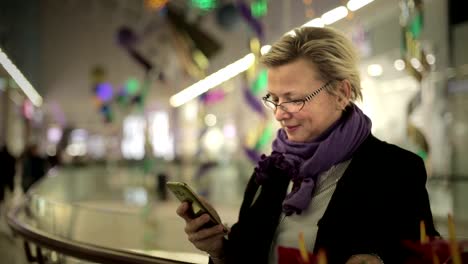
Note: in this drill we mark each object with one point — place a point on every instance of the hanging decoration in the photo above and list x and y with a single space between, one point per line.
412 52
155 4
103 93
412 22
213 96
259 8
259 137
193 46
128 39
253 23
255 80
260 83
255 46
205 5
254 103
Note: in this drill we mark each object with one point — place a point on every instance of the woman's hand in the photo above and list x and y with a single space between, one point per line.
209 239
364 259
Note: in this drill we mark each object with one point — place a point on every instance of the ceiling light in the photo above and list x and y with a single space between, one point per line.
354 5
316 22
415 63
210 120
334 15
430 58
19 78
213 80
374 70
399 64
265 49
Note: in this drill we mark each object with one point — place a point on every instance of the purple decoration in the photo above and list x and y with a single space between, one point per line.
252 154
126 37
204 167
212 97
252 21
254 102
140 59
104 91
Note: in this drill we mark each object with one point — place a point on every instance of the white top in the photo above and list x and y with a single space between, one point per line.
287 233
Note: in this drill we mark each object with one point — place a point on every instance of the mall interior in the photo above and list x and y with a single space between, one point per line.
104 101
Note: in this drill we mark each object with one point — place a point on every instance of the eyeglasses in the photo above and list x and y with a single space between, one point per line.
292 106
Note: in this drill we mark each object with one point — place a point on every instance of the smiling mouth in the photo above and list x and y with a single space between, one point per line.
291 128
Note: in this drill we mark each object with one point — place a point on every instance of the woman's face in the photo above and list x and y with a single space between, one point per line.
295 81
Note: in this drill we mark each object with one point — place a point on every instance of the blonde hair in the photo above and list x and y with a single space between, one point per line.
332 54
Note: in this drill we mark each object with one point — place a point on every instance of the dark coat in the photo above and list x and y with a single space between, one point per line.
378 202
8 171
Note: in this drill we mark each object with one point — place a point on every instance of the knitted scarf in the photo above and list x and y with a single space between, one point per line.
303 162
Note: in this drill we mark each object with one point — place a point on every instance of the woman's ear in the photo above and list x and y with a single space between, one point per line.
344 94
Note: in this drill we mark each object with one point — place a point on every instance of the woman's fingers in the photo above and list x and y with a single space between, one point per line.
183 211
193 225
206 235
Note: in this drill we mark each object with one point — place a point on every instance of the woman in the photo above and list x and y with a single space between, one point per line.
328 177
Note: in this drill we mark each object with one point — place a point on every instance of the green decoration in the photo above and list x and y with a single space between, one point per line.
204 4
148 165
260 83
144 93
265 137
259 8
423 154
416 25
132 86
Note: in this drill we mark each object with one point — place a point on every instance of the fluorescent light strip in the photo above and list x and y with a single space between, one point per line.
354 5
213 80
19 78
334 15
265 49
243 64
316 22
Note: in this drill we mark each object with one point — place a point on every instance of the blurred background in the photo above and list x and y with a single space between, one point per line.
103 101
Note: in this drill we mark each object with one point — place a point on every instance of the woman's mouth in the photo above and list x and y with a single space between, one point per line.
291 129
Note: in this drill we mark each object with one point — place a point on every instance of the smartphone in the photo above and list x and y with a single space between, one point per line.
184 193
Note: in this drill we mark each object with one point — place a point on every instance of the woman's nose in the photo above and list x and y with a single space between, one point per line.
281 114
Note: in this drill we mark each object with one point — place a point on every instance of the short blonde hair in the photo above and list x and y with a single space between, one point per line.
331 52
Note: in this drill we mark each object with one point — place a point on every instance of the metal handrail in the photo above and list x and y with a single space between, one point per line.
79 250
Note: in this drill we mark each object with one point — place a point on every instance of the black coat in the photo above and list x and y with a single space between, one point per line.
378 202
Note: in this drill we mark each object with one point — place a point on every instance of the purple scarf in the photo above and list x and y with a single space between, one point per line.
303 162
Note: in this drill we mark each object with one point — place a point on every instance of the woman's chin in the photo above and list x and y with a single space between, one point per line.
294 138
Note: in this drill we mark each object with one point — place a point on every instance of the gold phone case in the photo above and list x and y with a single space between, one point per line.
183 192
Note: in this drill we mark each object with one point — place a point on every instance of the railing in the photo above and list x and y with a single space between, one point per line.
86 216
79 250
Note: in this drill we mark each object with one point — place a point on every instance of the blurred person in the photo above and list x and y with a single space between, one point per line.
55 160
34 167
161 188
350 194
8 168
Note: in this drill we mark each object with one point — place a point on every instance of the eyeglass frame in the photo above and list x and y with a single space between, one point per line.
304 100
